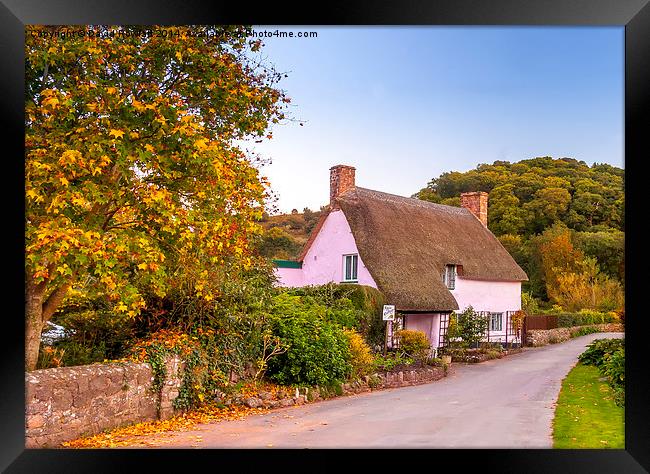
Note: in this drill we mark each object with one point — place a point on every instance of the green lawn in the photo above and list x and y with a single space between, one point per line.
586 416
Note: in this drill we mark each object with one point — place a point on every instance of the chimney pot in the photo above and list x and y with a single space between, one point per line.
477 203
341 179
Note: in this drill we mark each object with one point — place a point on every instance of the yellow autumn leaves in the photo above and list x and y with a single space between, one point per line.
71 164
49 99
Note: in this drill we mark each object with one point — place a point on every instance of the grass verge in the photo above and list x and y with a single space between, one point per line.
586 415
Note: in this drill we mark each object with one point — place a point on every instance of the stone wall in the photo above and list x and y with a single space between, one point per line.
405 378
68 402
378 381
542 337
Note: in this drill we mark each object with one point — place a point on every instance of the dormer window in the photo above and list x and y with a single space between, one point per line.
350 264
449 276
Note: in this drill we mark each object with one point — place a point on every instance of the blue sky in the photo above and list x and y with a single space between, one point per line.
404 104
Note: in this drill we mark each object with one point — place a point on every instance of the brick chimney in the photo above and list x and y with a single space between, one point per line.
341 179
477 203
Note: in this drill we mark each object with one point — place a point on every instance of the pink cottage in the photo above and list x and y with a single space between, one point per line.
428 259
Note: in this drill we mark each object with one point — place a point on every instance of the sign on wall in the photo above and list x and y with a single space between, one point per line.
389 312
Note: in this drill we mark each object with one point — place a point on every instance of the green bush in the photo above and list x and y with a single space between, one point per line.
331 390
317 350
614 368
93 333
583 331
390 361
354 306
585 318
609 356
598 349
566 320
370 301
75 353
434 361
493 353
466 329
456 353
483 346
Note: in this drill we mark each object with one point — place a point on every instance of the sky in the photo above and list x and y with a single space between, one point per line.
405 104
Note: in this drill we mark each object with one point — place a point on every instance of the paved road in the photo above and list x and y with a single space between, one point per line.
503 403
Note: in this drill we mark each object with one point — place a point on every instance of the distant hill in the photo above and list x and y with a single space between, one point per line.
286 234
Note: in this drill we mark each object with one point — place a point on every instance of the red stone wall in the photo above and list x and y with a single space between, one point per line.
68 402
341 179
477 203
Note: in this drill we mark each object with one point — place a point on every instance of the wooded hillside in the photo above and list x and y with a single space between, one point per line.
528 196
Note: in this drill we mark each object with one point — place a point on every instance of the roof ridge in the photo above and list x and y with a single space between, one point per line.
413 201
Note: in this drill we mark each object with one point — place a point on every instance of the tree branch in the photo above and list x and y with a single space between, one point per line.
120 225
54 300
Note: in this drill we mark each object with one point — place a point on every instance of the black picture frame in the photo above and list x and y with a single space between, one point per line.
634 15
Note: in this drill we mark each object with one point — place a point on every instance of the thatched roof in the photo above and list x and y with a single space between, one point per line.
405 243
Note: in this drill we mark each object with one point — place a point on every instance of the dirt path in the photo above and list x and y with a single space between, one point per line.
503 403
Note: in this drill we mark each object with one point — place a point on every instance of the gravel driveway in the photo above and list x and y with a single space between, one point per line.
503 403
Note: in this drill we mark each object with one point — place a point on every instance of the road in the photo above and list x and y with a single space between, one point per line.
502 403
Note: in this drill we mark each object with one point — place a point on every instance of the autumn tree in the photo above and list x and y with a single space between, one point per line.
587 288
131 167
558 255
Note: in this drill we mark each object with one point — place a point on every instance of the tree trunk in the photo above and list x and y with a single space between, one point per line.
33 324
37 313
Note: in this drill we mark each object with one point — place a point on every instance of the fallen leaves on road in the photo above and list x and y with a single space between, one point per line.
277 392
134 435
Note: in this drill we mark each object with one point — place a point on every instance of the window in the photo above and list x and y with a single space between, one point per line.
350 264
496 321
449 276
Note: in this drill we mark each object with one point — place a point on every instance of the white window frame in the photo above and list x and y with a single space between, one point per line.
493 319
450 283
354 268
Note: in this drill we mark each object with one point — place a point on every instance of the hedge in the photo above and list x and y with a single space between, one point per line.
582 318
